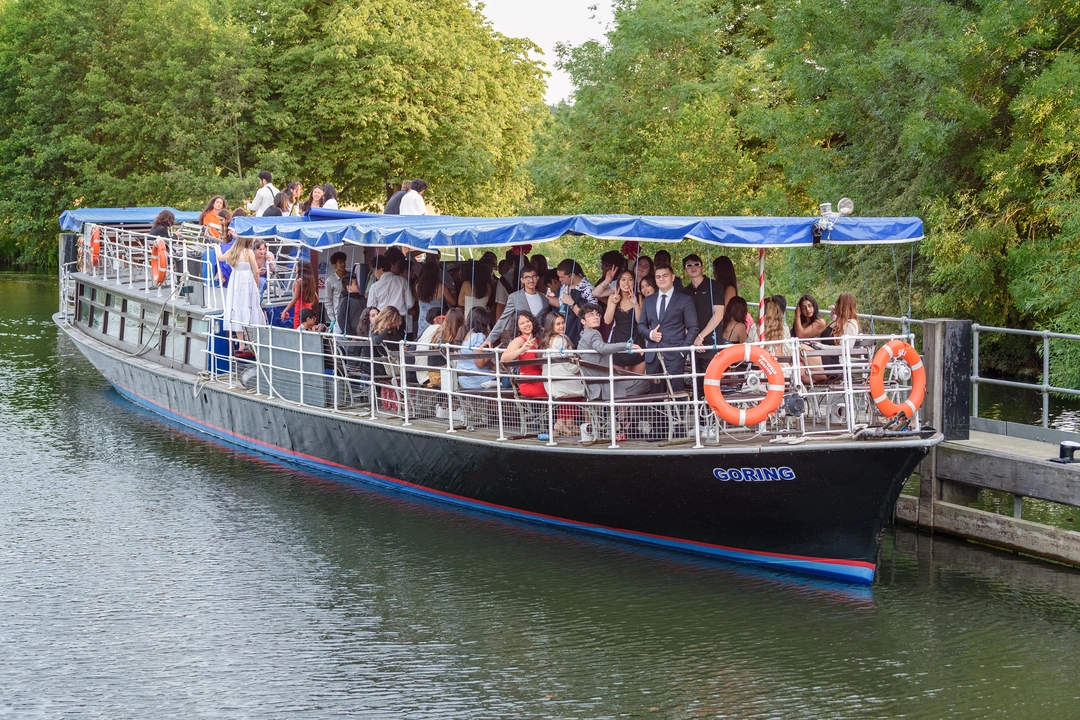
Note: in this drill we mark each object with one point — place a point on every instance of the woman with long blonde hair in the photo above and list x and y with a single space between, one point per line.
242 303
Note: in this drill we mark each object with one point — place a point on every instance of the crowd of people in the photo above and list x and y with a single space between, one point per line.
636 315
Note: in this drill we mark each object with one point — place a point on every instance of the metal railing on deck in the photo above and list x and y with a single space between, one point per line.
126 256
1045 387
584 399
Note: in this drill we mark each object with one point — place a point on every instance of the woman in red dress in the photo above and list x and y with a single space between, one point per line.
523 347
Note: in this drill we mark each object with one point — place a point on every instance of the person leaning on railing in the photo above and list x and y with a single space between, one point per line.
593 349
163 224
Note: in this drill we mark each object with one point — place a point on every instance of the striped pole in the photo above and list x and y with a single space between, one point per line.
761 284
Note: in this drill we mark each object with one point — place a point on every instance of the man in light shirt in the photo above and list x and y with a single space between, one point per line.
389 289
264 198
413 202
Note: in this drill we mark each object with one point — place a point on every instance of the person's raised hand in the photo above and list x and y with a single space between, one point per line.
656 335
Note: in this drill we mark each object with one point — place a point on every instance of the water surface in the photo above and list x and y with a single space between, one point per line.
147 572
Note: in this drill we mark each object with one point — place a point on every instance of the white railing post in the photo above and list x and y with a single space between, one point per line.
695 409
975 370
550 402
498 393
611 400
404 384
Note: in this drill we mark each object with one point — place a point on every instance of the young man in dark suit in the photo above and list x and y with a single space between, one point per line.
669 320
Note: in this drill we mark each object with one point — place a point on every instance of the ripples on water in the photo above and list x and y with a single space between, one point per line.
146 572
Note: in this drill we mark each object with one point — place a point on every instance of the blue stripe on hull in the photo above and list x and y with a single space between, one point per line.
862 573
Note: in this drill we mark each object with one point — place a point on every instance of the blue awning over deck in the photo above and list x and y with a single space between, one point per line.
442 232
73 220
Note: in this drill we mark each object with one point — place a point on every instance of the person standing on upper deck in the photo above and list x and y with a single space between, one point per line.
412 203
668 320
708 298
393 205
265 196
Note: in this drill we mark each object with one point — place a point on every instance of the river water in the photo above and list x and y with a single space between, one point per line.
147 572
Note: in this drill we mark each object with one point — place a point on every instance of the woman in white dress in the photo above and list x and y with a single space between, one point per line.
242 304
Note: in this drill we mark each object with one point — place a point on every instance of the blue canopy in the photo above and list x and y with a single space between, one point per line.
72 220
442 232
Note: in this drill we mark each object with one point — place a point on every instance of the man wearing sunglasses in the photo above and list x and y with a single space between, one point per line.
708 297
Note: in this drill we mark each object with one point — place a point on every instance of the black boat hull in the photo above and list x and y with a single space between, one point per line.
816 508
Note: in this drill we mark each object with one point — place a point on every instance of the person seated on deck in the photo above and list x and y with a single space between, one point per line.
309 321
775 330
845 324
523 347
567 417
265 260
808 321
163 224
472 336
593 349
734 324
668 320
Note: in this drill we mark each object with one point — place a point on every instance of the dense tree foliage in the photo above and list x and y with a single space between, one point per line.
167 102
965 114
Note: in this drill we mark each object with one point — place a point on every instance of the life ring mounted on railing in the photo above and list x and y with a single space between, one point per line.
159 262
95 245
774 375
903 351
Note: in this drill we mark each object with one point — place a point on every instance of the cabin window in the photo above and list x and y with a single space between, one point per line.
123 319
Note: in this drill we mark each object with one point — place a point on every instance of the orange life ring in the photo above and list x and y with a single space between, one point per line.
774 379
95 245
159 262
904 351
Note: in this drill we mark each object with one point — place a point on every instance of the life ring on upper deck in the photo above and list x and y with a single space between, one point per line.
159 262
95 245
774 378
904 351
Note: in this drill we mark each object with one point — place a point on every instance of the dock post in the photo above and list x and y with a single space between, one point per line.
947 407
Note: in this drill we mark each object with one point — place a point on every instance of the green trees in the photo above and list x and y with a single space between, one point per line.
962 113
167 102
376 91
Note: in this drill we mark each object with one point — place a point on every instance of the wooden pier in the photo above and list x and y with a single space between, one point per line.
988 454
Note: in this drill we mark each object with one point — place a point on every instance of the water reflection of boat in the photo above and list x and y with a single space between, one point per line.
809 489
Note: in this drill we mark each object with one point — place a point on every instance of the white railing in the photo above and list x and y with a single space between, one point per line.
390 381
125 256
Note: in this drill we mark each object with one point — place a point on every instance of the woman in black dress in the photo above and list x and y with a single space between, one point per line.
621 314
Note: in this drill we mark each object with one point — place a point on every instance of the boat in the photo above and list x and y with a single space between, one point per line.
808 488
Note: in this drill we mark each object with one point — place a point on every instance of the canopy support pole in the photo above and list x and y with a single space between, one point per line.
761 284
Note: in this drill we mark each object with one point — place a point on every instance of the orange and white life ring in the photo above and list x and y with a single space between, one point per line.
95 245
774 378
159 262
902 350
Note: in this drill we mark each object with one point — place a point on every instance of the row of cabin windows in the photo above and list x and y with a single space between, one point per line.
127 321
